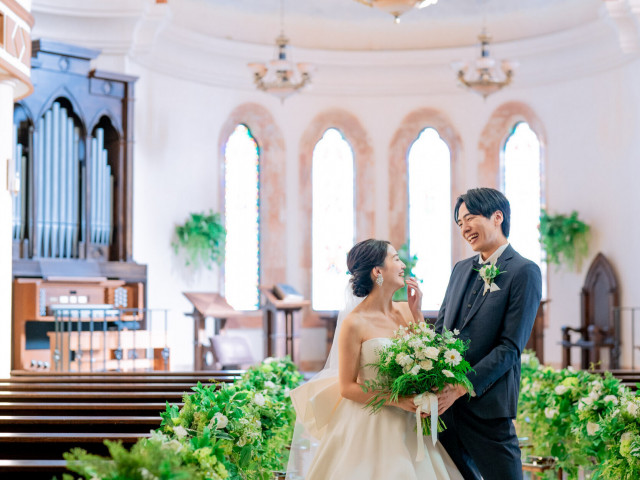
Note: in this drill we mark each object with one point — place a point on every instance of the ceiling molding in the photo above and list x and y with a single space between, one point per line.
152 39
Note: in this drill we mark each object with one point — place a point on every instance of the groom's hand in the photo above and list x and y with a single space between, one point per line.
448 396
414 298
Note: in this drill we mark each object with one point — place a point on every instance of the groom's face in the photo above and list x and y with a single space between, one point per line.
482 233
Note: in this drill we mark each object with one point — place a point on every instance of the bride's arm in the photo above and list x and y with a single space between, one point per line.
349 344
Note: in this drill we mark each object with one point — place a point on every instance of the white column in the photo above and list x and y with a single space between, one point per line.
6 151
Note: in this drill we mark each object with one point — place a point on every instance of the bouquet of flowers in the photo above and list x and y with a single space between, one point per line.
418 362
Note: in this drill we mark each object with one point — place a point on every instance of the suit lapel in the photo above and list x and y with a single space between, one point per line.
502 263
458 294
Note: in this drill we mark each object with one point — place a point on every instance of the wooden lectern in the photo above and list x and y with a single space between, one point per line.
281 335
206 305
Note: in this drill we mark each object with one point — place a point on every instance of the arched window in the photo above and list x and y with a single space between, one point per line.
242 220
520 176
429 184
332 219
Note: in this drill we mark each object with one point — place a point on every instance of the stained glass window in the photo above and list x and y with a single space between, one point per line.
429 183
332 223
521 184
242 220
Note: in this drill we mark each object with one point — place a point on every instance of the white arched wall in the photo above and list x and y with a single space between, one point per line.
589 112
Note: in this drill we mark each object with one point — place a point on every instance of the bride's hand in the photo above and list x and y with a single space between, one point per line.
406 403
414 298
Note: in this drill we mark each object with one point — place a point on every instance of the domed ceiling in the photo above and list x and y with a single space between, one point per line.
349 25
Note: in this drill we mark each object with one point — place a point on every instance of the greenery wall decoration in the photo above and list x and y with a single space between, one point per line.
202 239
564 238
410 262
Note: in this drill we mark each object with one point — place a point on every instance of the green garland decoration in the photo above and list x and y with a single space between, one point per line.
565 239
202 238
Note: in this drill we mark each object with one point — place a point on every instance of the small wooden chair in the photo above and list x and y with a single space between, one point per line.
598 327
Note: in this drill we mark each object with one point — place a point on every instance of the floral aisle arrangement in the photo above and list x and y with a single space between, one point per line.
417 362
237 432
582 419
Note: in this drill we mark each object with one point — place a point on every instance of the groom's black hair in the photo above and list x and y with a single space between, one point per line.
485 202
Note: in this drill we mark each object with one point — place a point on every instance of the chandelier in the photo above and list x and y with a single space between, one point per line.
281 77
397 7
482 75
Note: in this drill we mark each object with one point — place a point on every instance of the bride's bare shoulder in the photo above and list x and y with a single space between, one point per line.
356 321
403 308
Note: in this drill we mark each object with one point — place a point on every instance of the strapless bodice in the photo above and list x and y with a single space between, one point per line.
369 353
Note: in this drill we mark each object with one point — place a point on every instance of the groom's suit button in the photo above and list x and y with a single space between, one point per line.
469 305
474 292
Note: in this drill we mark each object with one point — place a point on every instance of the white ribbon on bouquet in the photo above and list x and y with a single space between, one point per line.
430 400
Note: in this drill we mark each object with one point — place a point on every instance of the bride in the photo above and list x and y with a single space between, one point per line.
353 443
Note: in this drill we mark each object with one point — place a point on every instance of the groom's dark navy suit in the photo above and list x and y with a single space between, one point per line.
480 436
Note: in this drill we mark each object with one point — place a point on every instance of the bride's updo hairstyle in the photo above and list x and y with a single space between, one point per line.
361 259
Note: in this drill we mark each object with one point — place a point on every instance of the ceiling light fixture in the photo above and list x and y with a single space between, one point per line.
397 7
281 77
482 75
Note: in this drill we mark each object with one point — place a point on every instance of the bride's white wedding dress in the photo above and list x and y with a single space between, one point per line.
358 445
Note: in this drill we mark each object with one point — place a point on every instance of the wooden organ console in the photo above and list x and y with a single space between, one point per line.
72 218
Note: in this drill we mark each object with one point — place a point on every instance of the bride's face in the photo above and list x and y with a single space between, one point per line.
393 269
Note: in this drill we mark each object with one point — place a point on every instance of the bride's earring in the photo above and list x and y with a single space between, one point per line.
379 280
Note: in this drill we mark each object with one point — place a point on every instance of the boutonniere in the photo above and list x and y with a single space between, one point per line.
488 273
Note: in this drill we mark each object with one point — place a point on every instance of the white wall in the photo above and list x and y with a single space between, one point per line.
592 166
184 96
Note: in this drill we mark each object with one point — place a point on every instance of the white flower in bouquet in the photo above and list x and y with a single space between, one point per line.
450 340
269 360
525 358
219 421
611 398
432 352
415 370
592 428
456 331
426 365
561 389
429 334
632 408
180 431
447 373
415 343
452 357
269 384
550 413
403 359
258 399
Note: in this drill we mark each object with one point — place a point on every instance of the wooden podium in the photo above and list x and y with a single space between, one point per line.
281 333
206 305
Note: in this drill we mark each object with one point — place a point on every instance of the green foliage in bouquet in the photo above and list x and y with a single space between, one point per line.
410 262
565 239
236 432
202 238
582 419
418 360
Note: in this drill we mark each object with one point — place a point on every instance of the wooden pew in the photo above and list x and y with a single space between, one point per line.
79 423
43 414
83 408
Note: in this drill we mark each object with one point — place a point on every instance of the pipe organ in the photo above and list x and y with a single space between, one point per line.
72 216
58 184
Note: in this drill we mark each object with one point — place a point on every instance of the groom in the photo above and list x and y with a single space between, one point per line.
496 313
